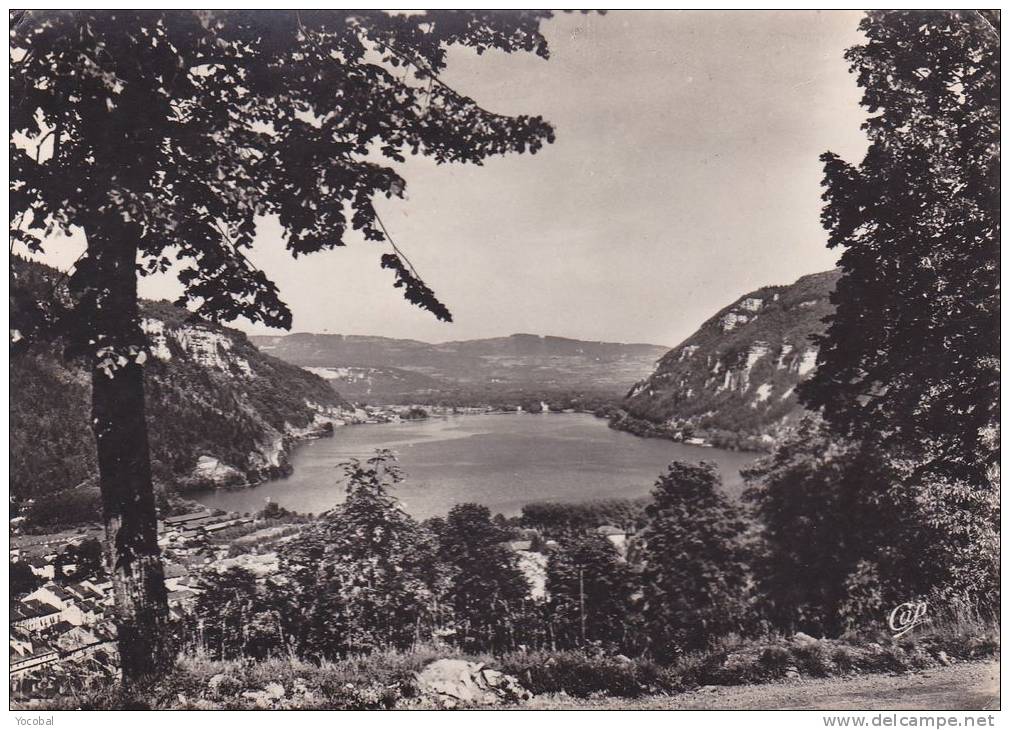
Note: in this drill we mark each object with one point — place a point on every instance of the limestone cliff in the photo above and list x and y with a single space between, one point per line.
733 382
220 413
245 408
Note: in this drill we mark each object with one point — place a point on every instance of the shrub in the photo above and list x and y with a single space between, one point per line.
385 679
814 659
581 674
775 660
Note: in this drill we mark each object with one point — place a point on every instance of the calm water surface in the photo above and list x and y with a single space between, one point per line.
502 461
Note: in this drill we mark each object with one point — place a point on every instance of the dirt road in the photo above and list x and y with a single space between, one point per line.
968 686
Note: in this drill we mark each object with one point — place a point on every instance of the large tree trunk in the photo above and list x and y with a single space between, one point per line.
124 463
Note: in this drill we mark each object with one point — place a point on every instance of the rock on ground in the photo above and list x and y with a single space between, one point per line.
456 682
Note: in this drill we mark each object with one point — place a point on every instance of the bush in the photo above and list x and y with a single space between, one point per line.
734 661
581 674
562 518
377 681
814 659
385 679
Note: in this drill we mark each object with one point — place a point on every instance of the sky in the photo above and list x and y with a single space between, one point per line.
685 174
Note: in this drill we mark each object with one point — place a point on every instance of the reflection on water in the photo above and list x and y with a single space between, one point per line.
502 461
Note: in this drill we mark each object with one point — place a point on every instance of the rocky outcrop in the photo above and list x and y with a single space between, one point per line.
205 345
209 470
255 406
733 382
452 683
220 413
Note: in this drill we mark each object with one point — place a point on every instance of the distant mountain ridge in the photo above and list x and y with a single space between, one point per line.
520 361
733 382
366 383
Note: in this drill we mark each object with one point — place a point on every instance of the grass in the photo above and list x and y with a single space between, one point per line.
956 636
385 679
579 674
380 680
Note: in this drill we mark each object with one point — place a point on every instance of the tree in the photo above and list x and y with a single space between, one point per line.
168 134
694 577
910 358
366 575
313 619
841 538
234 618
487 590
22 579
561 518
590 591
88 558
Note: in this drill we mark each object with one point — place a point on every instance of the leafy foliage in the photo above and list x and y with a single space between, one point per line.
564 518
583 673
364 580
694 577
910 359
590 589
187 126
487 591
385 679
415 291
87 557
22 579
235 617
842 538
365 576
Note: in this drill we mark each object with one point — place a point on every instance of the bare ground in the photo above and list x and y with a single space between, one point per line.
966 686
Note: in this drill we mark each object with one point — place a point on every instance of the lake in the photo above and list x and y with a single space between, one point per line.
502 461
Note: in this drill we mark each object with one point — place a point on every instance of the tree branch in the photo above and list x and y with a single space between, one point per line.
396 248
432 76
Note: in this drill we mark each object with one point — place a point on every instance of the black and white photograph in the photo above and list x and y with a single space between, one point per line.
534 360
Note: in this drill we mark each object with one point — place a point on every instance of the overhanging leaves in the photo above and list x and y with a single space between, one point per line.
190 126
415 291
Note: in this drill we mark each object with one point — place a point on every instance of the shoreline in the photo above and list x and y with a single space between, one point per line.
297 440
632 461
623 421
294 440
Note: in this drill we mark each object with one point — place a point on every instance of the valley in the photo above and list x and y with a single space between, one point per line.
732 384
769 477
226 410
518 369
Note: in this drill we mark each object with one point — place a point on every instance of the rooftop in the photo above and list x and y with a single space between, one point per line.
607 530
32 609
189 517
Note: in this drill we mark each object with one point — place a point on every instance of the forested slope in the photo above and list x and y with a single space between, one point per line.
733 382
219 412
